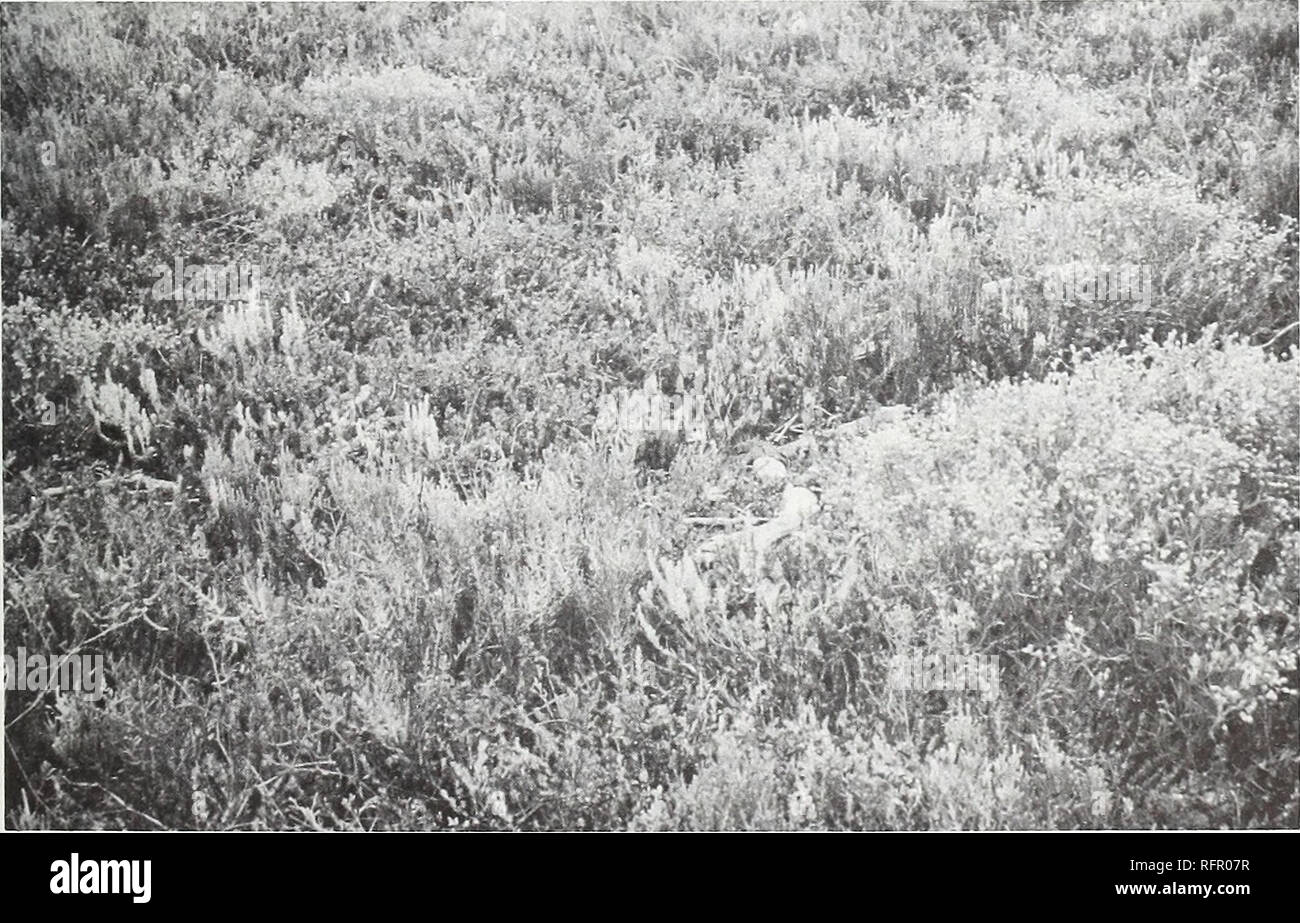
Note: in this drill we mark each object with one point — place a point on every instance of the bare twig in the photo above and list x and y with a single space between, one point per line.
723 521
142 481
122 804
1281 333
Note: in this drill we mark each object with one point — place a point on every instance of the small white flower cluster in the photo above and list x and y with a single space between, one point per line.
243 329
293 335
226 471
419 426
247 328
287 189
113 403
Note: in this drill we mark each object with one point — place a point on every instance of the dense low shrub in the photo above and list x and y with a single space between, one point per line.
434 526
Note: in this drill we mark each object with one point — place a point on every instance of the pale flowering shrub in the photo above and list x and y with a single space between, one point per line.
397 113
1118 539
476 537
810 773
243 329
114 404
289 193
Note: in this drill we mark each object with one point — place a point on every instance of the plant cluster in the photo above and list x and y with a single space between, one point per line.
411 533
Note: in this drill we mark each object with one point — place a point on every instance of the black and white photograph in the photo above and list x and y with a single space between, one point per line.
650 417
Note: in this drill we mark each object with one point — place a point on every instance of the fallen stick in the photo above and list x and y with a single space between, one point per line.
137 480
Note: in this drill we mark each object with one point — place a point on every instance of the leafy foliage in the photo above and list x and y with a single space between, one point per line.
415 531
